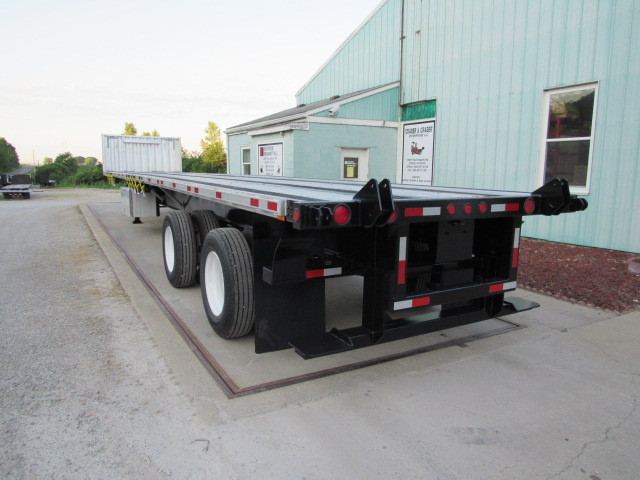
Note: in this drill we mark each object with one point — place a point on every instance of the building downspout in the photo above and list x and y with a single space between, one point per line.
402 37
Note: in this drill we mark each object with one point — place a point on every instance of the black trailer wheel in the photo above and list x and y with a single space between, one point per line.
26 196
6 195
226 282
203 222
179 249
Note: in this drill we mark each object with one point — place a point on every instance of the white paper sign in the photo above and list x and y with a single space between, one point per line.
417 152
270 159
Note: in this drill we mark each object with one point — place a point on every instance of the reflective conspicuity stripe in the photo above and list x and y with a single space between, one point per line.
422 212
516 248
413 303
502 287
505 207
402 261
325 272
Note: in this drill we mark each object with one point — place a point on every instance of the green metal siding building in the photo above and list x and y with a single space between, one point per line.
518 92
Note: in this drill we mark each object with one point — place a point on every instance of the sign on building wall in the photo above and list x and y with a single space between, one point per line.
270 159
417 152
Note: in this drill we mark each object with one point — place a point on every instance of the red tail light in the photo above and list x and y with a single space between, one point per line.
342 214
529 206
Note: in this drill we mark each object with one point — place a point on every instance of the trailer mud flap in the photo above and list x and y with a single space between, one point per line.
288 309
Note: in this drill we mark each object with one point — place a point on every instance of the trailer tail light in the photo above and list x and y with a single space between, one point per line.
482 208
296 215
451 209
342 214
468 209
393 216
529 206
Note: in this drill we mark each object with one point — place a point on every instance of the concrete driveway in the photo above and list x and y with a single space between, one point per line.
96 383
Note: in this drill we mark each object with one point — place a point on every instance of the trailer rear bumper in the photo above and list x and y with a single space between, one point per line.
336 341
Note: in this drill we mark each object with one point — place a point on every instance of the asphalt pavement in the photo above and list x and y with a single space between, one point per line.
95 382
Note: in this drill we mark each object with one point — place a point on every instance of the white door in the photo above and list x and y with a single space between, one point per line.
354 164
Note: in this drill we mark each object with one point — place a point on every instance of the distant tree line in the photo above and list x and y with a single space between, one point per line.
70 170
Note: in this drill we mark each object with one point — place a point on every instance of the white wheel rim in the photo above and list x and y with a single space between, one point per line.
169 249
214 283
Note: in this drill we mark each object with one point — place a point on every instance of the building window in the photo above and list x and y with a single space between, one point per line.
246 160
568 135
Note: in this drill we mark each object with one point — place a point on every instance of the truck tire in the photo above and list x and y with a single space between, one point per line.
203 222
179 249
226 282
26 196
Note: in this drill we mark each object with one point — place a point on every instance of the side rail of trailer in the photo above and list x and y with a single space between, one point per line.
431 258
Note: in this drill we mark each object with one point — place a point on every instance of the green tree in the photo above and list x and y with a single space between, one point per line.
9 159
90 161
68 161
213 153
192 162
47 161
129 129
152 134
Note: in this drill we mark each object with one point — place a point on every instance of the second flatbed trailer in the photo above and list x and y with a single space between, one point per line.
432 258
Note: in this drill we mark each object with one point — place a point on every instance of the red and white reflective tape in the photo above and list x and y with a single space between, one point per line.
502 287
402 261
413 303
422 211
264 204
505 207
516 248
324 272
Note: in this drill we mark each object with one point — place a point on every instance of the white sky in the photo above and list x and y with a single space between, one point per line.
71 70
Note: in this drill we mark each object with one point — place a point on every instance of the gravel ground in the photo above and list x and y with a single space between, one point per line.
90 390
595 277
78 370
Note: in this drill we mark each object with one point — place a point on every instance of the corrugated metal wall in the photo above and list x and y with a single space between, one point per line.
487 64
369 59
125 153
382 106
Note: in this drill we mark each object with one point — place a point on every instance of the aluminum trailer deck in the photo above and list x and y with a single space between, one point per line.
431 257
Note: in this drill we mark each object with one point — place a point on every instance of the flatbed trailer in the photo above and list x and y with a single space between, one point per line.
17 191
431 257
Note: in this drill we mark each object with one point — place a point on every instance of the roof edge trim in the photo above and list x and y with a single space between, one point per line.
247 127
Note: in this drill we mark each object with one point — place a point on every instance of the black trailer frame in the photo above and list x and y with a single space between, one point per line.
432 258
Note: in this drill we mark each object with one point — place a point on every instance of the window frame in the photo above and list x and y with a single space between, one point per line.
242 162
544 132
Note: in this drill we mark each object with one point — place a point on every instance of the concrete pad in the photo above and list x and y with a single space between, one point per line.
107 389
235 360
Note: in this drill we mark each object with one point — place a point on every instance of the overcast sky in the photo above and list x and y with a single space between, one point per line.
73 69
